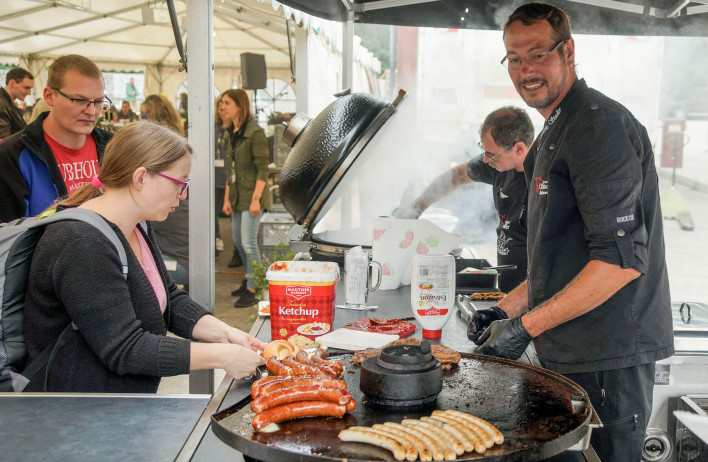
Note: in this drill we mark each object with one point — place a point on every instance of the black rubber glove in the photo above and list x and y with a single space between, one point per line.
481 320
505 339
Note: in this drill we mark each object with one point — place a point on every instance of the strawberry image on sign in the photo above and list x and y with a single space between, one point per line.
386 270
422 248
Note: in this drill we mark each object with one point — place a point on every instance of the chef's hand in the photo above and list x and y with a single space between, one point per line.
407 211
481 320
507 338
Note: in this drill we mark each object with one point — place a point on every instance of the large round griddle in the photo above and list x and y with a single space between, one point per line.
540 413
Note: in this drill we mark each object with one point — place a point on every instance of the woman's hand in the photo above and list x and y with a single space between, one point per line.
240 337
211 330
227 208
255 207
242 363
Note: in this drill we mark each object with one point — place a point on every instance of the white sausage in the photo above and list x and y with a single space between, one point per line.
368 436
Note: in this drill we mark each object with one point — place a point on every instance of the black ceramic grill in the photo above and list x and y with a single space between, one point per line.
324 148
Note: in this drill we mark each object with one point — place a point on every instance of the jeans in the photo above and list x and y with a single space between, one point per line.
245 232
218 205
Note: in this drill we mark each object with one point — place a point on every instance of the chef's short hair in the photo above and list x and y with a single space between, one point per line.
508 125
530 13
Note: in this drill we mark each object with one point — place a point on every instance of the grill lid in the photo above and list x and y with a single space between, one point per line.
324 148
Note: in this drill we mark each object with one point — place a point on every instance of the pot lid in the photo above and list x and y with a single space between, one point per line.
324 148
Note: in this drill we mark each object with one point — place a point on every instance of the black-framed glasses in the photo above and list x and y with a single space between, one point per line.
101 104
185 184
489 155
533 59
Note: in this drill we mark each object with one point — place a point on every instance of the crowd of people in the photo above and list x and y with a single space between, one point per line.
136 179
578 206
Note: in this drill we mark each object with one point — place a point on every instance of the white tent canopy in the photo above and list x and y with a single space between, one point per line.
137 36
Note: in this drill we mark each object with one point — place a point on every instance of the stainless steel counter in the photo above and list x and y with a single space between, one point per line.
105 427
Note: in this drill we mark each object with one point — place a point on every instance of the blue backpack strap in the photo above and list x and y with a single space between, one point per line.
94 219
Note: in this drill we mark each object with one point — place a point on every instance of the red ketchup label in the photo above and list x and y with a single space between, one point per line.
432 311
298 308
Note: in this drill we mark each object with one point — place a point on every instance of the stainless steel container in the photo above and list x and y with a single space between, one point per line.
684 373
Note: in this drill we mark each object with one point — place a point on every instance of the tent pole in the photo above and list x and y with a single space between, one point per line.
200 81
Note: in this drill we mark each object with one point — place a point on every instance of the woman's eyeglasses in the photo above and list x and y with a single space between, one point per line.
185 184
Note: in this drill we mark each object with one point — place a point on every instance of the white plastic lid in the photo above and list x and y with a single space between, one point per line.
305 271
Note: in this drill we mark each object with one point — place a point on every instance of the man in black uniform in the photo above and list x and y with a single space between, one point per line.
596 302
506 135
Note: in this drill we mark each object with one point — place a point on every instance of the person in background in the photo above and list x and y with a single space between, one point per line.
131 93
60 151
159 110
183 102
220 126
247 196
122 346
126 113
171 234
596 302
506 135
18 84
40 106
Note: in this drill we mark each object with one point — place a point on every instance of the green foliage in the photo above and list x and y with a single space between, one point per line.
259 268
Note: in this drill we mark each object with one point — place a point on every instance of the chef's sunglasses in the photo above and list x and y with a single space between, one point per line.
102 104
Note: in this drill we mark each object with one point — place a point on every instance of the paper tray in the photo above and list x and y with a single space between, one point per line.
347 339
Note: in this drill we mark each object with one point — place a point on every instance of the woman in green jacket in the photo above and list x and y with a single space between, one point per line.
247 196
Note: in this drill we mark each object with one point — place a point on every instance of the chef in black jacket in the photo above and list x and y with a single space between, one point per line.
506 135
596 303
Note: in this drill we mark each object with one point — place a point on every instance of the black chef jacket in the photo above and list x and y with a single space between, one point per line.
509 189
593 195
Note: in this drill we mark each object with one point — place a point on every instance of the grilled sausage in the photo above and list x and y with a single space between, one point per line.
470 426
436 449
420 446
297 381
263 381
276 367
470 440
296 410
441 433
303 369
302 358
319 358
301 393
351 405
489 428
369 436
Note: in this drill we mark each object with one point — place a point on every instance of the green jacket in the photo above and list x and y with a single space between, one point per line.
246 163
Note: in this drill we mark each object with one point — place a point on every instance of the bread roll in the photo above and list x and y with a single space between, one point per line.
280 349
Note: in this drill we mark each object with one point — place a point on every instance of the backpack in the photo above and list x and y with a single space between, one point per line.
17 242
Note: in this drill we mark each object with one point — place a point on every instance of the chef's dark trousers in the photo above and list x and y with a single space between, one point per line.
622 399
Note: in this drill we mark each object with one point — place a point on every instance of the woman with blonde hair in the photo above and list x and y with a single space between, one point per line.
76 276
160 111
247 195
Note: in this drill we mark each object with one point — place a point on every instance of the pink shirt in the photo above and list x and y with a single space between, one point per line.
152 272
